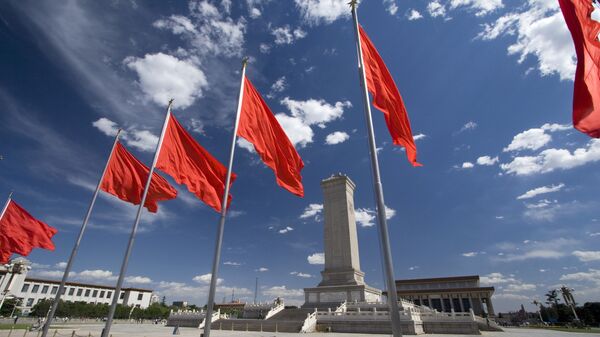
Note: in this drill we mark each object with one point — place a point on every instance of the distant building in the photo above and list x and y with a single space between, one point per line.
33 290
444 294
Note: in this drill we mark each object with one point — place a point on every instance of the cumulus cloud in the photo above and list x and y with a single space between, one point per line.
296 129
316 111
283 292
487 160
163 76
336 138
262 269
365 217
143 140
587 256
285 230
592 275
279 85
467 165
391 6
552 249
138 279
312 210
540 31
435 9
554 159
540 190
316 258
419 136
206 278
413 15
531 139
315 12
299 274
264 48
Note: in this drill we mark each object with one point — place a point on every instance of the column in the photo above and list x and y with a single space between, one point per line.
460 301
490 307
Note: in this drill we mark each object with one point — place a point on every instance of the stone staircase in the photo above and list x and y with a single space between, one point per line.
287 320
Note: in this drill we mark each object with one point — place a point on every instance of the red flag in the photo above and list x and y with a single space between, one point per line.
386 98
259 126
190 164
20 233
126 179
586 95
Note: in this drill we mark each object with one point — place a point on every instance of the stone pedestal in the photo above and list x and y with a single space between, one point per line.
342 279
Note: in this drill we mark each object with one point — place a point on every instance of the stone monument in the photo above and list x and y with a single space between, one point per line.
342 278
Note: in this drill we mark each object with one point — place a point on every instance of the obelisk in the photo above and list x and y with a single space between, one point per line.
342 278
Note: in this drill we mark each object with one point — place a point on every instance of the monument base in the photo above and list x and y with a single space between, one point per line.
339 294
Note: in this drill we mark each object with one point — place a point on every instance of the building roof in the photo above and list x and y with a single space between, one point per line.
446 290
439 279
78 284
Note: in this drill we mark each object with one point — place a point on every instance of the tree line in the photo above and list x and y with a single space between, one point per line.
100 310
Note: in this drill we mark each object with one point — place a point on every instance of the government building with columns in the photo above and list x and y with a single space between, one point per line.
447 294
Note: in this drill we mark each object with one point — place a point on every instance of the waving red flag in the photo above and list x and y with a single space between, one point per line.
586 95
126 179
259 126
20 233
190 164
386 98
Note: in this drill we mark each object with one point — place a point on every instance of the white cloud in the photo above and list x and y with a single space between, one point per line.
299 274
312 210
419 136
244 144
138 279
283 292
592 275
316 258
297 131
264 48
313 111
554 159
262 269
96 274
143 140
531 139
481 7
316 12
279 85
336 138
470 125
552 249
287 35
255 13
390 6
470 254
541 190
520 287
467 165
540 31
487 160
365 217
206 278
61 265
587 256
231 263
286 230
162 77
435 9
207 30
414 15
495 278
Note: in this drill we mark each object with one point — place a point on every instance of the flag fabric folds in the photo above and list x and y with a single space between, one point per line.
126 179
386 98
586 95
20 233
259 126
190 164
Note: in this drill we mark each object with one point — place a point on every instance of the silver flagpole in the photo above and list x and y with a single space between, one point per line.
217 257
61 288
115 300
6 205
394 308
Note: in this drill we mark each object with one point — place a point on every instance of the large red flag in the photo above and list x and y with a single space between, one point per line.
190 164
126 179
586 95
259 126
20 233
386 98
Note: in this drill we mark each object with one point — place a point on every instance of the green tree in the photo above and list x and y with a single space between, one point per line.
8 307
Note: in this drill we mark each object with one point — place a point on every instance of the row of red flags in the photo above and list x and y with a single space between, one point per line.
190 164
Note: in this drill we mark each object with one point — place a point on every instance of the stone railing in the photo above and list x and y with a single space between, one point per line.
342 307
215 317
275 310
310 323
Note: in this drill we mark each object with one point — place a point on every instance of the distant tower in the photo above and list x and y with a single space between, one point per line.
342 278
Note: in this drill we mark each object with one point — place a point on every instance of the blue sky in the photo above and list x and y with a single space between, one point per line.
507 190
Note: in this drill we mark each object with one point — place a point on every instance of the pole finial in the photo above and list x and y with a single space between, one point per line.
245 61
171 101
353 3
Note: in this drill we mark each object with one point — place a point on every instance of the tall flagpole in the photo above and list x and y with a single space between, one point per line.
61 288
394 308
6 205
117 292
220 230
